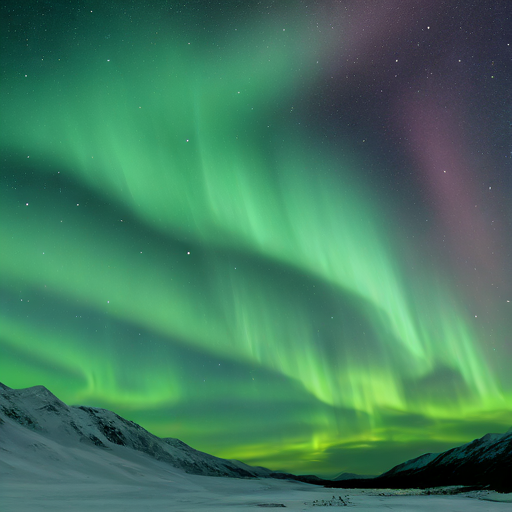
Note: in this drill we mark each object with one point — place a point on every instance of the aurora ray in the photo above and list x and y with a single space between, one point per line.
182 247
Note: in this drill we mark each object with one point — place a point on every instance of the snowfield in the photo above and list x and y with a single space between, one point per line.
182 492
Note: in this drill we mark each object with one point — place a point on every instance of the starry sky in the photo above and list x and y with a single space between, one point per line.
278 231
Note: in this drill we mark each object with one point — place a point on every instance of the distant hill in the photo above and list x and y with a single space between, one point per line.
484 462
352 476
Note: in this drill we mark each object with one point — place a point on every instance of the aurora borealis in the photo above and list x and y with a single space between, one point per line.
280 232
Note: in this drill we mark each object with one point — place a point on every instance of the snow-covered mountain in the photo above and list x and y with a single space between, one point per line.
42 436
484 461
35 424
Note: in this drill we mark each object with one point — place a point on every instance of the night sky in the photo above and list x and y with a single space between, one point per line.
278 231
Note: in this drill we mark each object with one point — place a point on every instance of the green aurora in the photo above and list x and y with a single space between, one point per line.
177 247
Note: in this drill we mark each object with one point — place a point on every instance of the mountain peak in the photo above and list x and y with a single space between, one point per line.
39 390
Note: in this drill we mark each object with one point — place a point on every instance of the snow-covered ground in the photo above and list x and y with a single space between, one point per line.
203 493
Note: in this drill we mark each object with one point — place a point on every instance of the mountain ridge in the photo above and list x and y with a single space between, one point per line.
37 409
484 463
37 421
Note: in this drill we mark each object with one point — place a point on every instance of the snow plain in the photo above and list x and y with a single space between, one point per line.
216 494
